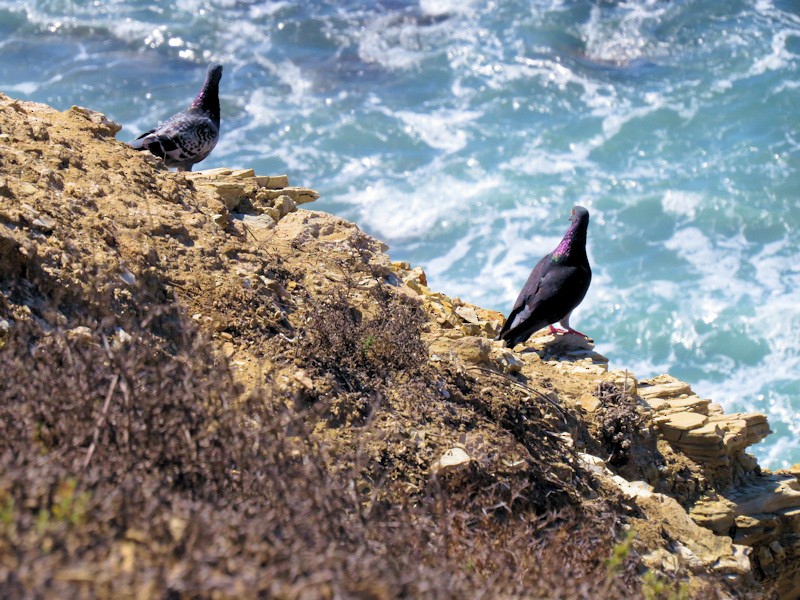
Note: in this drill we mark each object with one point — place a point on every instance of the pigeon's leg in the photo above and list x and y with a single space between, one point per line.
554 330
576 332
565 323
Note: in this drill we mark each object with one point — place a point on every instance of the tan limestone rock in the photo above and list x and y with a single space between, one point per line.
220 173
273 212
714 552
27 189
771 494
756 529
765 509
689 404
254 222
661 560
716 514
663 386
298 194
656 404
284 204
589 402
509 361
675 426
468 314
104 125
246 192
472 350
273 182
452 461
230 194
583 367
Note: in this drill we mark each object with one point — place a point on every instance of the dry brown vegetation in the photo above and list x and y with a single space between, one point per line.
618 423
133 463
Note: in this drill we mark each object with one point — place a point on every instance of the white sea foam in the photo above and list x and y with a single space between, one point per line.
260 109
446 7
441 129
130 30
774 322
775 453
681 203
263 9
357 167
537 160
777 59
288 74
397 212
747 388
770 265
392 42
436 268
621 36
717 262
553 73
508 248
614 122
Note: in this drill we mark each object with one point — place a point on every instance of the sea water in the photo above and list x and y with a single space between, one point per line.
462 132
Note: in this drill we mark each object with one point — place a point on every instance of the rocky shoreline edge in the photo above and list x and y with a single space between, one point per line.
253 271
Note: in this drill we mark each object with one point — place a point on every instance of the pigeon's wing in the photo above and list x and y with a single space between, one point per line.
520 312
548 298
561 290
182 138
197 140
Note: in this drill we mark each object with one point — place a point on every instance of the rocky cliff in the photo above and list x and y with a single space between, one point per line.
457 467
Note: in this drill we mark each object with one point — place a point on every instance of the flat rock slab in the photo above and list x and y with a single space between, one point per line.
663 386
676 425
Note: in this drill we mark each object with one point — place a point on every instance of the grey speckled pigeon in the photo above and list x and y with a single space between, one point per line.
554 288
189 136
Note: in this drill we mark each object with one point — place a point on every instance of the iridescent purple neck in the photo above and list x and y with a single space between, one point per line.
574 241
208 98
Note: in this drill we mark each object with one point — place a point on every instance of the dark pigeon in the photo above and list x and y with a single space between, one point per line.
189 136
554 288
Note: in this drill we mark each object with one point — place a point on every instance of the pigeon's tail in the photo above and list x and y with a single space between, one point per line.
512 340
141 142
160 145
519 334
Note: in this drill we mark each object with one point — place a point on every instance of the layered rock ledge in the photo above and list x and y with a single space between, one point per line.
250 267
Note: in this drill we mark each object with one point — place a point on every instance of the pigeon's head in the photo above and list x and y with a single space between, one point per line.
214 73
580 216
575 238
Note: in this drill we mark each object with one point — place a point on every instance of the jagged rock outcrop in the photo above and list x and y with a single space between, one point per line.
249 199
717 507
727 492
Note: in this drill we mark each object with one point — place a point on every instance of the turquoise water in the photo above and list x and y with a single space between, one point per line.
462 132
